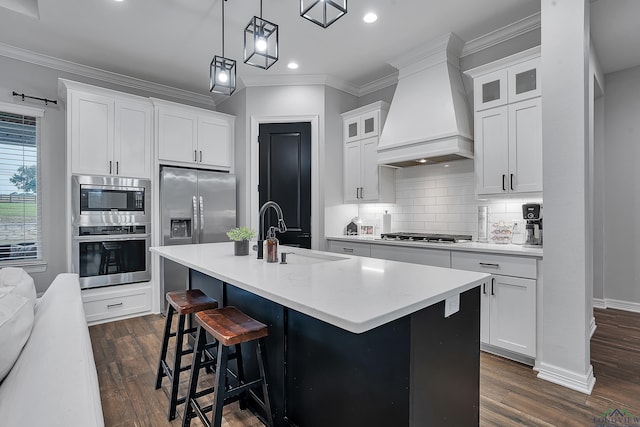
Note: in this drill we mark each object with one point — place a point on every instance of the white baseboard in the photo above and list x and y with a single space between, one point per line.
575 381
593 326
616 304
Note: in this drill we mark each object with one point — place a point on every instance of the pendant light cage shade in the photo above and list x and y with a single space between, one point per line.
222 75
260 43
323 12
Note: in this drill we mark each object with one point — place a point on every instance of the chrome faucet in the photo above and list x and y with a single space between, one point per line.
281 225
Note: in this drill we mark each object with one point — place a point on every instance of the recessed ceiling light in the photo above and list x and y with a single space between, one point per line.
370 18
421 161
292 65
119 1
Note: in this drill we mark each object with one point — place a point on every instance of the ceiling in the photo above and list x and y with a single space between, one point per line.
172 42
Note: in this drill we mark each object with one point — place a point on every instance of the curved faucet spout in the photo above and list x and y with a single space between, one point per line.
282 227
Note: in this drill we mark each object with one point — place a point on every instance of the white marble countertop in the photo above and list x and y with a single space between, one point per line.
507 249
353 293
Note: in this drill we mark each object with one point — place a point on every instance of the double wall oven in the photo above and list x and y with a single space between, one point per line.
111 222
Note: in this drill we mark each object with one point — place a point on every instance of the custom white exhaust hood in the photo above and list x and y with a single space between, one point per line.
429 119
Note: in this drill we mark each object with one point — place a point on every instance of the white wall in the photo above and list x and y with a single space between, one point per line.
621 192
336 102
237 106
440 199
35 80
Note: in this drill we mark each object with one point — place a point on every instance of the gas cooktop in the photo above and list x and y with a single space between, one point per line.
427 237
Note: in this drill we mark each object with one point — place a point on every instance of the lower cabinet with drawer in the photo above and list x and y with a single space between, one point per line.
350 248
103 304
508 300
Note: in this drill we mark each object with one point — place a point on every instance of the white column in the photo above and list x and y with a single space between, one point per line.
566 313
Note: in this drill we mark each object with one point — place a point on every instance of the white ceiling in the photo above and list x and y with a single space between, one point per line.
172 42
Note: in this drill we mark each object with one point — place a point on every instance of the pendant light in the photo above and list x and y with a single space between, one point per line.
260 42
222 73
323 12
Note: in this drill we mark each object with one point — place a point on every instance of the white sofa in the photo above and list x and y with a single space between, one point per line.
54 380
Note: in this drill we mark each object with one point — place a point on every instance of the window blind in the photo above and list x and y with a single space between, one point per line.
20 207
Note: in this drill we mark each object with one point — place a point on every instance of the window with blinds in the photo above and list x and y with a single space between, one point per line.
20 210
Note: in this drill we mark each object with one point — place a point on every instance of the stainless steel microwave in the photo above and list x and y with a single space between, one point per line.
104 200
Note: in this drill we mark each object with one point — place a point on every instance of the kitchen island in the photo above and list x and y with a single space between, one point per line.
353 341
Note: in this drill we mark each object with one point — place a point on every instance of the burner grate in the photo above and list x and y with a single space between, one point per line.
427 237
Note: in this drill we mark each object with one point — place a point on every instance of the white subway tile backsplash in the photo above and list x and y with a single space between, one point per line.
439 199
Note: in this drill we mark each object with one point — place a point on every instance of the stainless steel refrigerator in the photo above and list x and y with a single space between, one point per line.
196 207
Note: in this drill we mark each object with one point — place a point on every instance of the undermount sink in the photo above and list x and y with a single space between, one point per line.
297 258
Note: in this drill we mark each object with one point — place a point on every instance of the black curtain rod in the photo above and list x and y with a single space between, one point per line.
46 101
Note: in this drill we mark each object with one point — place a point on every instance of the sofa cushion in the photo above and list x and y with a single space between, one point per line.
16 322
17 281
54 382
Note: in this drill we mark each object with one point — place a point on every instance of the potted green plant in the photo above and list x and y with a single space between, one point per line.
241 237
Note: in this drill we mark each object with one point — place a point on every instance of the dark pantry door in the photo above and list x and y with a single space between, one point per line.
285 178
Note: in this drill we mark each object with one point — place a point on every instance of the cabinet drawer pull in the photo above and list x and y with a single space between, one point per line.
114 305
347 249
488 264
492 282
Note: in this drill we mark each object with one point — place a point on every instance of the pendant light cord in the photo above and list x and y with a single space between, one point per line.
223 2
260 9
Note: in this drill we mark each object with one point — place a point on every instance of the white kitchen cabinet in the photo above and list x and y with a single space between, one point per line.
106 304
508 125
363 125
424 256
109 132
508 148
508 80
190 136
350 248
364 179
508 300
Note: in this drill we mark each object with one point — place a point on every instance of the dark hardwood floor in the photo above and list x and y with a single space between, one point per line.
510 394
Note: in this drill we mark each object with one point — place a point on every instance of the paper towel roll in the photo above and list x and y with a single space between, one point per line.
386 222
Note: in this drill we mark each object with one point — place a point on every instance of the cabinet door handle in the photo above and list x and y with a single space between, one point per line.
114 305
491 265
492 282
503 187
200 156
511 182
118 168
110 163
195 155
484 288
347 249
362 192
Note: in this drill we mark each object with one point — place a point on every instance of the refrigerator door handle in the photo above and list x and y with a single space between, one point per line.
201 216
195 220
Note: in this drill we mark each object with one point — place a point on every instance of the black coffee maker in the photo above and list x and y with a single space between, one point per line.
532 213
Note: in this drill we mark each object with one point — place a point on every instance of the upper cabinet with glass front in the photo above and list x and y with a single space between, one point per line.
498 84
363 126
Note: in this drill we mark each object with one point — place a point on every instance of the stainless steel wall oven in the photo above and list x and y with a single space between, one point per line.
111 230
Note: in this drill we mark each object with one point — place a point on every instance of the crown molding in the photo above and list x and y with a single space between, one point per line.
530 23
102 75
301 80
379 84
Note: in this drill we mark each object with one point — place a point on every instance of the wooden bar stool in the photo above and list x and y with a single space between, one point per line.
230 327
182 303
